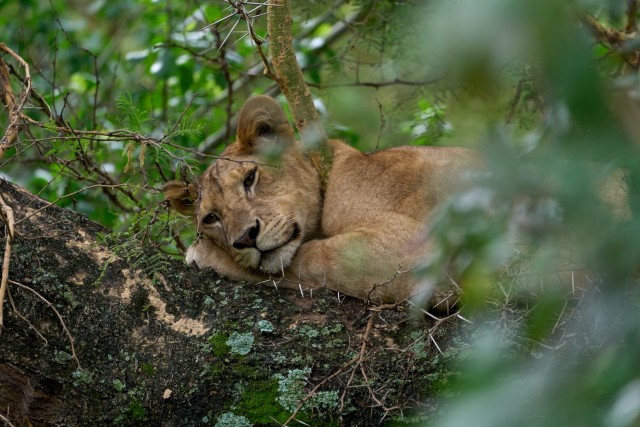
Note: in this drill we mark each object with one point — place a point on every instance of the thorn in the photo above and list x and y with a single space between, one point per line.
206 27
228 35
462 318
435 343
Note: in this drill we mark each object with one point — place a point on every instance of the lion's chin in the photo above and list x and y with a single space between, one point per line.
275 261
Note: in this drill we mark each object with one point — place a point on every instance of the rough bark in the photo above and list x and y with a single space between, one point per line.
159 343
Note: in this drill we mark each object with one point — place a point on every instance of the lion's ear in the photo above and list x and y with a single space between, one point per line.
183 196
261 120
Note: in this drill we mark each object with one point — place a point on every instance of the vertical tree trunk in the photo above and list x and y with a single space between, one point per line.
291 81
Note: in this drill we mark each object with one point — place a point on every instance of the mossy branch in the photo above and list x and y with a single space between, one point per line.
289 77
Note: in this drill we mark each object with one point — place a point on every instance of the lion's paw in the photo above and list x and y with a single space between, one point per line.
196 255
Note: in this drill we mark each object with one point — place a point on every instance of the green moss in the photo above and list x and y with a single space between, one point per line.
136 410
218 344
227 361
259 404
246 371
133 414
147 369
82 377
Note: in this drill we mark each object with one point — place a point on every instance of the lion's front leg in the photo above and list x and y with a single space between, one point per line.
363 264
206 254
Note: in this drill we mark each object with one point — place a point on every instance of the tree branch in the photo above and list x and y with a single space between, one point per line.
11 133
337 31
603 34
632 11
291 81
616 40
377 85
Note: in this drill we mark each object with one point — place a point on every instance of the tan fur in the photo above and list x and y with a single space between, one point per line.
363 238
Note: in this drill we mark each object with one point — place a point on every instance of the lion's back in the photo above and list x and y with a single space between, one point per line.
408 181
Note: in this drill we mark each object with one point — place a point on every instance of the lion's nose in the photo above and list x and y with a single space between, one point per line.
248 238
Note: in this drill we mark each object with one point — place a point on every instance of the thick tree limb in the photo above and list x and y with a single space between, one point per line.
153 334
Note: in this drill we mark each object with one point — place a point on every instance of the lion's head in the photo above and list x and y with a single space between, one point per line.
256 211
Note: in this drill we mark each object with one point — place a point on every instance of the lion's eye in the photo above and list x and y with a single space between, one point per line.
249 179
210 219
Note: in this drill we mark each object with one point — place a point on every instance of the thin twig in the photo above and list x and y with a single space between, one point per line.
358 361
11 133
313 391
17 313
6 421
360 358
381 112
58 315
7 217
377 85
48 205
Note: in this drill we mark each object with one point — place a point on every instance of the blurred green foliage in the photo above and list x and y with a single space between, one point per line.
551 104
537 226
146 91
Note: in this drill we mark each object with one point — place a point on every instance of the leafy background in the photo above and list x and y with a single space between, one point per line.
543 92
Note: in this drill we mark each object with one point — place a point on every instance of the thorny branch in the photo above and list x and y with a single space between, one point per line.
337 31
248 15
291 81
316 388
358 364
620 42
8 98
64 132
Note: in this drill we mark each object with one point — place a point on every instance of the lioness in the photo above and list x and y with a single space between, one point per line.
362 237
